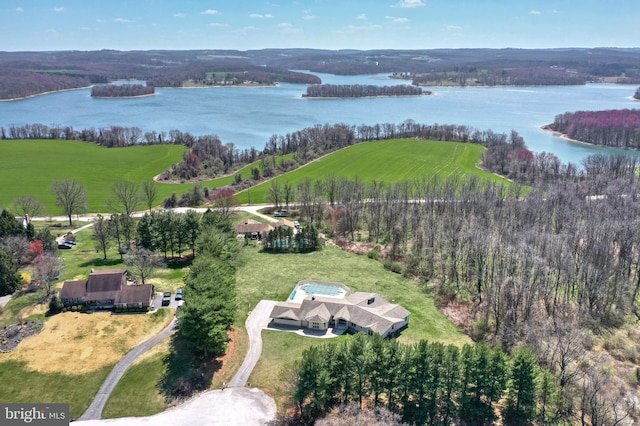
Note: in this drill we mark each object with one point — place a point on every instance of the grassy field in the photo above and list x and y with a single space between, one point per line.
29 167
389 161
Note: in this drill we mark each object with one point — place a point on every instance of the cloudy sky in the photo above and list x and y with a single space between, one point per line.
327 24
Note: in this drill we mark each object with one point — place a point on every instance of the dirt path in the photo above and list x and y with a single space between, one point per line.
95 409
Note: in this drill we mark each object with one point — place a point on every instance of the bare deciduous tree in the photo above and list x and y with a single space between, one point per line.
149 193
127 196
142 263
71 196
27 205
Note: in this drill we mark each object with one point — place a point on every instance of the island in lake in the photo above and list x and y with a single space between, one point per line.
361 91
122 91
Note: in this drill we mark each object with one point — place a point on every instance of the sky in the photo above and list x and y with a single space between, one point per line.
44 25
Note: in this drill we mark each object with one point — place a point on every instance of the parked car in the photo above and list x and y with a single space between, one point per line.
65 246
179 294
281 213
166 298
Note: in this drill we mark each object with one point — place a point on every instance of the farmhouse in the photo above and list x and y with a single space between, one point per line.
361 312
106 289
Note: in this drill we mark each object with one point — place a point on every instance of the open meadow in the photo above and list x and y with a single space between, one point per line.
29 167
389 161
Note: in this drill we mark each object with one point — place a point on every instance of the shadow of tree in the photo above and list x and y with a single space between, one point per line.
186 372
179 262
101 262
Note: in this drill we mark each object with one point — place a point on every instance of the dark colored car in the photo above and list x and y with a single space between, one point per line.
179 294
166 298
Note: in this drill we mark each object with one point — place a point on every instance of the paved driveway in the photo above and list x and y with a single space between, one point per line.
229 407
257 320
5 299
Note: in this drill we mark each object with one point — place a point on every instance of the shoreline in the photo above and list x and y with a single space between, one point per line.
564 137
45 93
368 97
124 97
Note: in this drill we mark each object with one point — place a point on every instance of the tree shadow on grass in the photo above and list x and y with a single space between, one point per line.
186 372
179 262
101 262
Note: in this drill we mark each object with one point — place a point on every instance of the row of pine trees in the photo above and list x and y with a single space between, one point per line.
425 383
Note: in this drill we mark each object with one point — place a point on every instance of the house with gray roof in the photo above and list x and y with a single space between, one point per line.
106 289
360 312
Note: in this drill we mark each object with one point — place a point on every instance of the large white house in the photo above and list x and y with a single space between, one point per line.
366 312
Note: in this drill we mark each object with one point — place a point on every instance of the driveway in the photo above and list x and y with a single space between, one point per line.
257 320
232 406
4 300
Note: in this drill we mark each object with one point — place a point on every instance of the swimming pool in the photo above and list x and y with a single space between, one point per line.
321 288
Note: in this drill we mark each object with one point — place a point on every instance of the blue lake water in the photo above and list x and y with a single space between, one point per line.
248 116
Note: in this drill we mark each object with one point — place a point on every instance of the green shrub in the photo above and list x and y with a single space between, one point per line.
394 266
374 253
55 305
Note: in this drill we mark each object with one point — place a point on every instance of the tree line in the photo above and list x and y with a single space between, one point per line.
615 128
425 383
282 239
360 90
121 90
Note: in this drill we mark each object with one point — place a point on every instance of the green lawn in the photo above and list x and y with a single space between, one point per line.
389 161
20 384
138 393
29 167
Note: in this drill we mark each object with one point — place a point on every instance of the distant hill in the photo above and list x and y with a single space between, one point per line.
30 73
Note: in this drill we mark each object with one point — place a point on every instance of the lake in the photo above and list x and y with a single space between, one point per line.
248 116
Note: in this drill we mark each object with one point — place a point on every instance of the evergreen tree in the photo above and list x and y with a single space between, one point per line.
521 390
209 305
9 278
145 232
9 225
